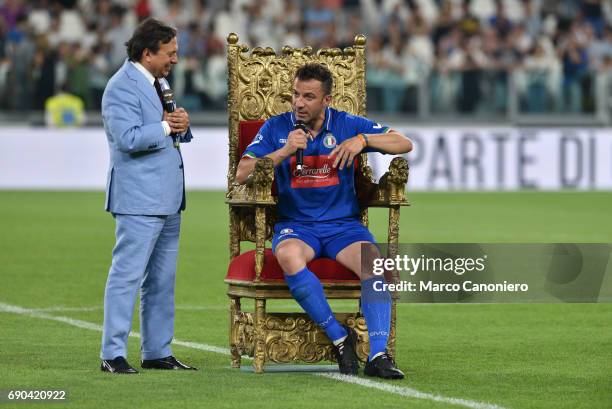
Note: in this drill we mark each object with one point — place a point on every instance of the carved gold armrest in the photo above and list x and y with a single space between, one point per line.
390 189
257 189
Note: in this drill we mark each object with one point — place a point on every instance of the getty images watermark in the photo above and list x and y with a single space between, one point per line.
474 272
458 266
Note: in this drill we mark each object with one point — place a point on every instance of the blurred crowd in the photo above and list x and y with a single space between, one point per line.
455 55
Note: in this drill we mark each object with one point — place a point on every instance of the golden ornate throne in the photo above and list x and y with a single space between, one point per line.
260 86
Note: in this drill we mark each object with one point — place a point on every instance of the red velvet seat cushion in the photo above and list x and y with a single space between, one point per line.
242 268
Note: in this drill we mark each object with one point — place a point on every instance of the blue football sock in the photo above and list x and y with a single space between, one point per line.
376 308
307 290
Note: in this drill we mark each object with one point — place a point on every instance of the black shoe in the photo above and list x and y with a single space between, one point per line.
384 367
117 365
346 353
168 362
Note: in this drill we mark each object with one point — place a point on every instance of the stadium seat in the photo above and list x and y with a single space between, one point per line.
259 87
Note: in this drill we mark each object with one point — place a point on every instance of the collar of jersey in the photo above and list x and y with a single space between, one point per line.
326 122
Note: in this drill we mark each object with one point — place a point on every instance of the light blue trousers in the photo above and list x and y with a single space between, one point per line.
144 258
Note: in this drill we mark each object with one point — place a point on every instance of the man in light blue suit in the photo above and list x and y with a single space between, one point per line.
146 194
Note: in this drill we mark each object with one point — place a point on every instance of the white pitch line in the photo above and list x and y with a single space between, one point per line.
408 392
101 307
95 327
291 306
396 390
177 307
67 309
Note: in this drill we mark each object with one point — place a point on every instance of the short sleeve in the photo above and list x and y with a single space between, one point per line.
262 143
367 126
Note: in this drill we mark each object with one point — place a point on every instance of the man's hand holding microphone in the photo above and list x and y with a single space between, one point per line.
178 120
297 141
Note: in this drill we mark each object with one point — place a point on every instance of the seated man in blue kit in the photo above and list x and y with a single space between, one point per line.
318 213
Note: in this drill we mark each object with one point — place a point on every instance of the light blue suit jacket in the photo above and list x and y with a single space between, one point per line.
145 175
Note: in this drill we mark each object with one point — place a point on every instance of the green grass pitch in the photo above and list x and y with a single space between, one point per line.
55 250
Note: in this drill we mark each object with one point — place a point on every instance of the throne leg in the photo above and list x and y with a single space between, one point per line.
260 336
392 331
233 331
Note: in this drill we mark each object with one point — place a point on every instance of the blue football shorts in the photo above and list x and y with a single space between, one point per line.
327 238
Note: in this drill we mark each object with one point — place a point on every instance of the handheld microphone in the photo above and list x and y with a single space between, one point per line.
299 154
169 105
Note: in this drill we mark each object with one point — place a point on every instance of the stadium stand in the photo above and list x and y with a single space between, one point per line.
478 58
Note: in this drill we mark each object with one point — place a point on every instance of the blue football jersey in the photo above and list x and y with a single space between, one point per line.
320 192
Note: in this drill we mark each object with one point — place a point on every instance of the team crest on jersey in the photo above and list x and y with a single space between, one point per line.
329 141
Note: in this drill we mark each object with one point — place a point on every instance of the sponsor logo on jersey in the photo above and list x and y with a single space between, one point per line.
286 231
316 172
329 141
